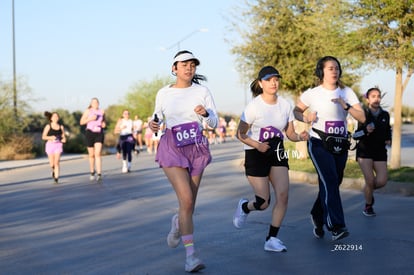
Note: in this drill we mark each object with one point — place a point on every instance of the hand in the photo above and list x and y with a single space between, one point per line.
304 136
154 126
312 117
263 147
370 128
200 110
339 100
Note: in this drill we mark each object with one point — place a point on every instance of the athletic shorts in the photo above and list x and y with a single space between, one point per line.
53 147
375 155
194 157
92 138
258 164
148 135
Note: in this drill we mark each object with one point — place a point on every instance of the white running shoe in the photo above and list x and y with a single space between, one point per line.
124 168
174 238
275 245
193 264
240 216
92 177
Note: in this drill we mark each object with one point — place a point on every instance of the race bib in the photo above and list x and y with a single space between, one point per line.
186 134
335 128
269 132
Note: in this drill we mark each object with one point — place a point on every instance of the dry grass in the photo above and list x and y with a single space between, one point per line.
110 139
19 147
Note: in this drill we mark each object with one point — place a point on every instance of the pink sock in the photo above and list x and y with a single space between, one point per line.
188 244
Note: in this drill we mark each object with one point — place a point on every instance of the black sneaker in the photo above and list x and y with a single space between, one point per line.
339 233
317 228
369 212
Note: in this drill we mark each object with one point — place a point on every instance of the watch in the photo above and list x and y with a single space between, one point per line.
348 106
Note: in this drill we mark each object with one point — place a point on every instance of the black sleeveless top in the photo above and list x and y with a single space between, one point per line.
53 132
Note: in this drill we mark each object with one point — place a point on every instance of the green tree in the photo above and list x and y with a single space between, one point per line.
140 99
14 143
292 35
112 114
407 112
8 125
386 29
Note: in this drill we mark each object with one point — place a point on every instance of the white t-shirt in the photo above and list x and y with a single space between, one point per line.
177 105
138 125
125 130
259 114
331 117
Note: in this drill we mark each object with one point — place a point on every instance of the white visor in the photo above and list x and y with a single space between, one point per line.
186 56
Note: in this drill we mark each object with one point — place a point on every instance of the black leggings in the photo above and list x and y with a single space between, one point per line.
127 144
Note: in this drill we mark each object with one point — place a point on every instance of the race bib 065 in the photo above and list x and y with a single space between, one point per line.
186 133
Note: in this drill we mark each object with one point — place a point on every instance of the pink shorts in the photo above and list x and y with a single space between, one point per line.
194 157
53 147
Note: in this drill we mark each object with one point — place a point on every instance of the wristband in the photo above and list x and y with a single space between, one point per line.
348 106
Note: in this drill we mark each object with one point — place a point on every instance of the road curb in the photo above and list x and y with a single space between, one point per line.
15 164
392 187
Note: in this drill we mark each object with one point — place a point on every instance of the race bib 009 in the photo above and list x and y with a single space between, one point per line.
335 128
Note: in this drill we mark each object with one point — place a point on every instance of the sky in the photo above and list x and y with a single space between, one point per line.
69 51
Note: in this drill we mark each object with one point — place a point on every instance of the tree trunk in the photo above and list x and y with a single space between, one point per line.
395 162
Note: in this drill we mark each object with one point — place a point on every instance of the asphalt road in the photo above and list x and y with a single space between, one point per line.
120 226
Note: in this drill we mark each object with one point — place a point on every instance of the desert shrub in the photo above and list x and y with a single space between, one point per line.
17 147
110 139
75 145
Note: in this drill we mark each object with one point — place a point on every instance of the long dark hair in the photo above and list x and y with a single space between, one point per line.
255 88
48 115
197 77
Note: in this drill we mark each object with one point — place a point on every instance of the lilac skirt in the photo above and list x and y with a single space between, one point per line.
194 157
